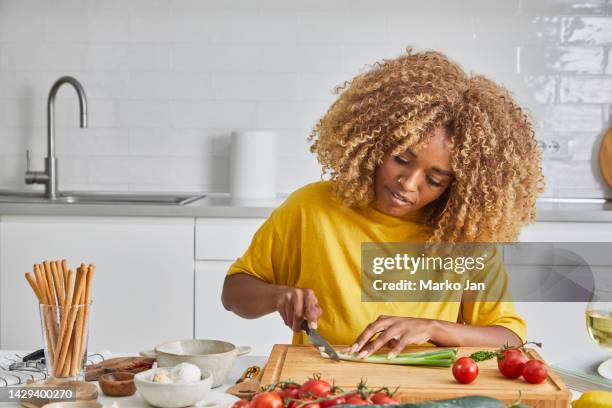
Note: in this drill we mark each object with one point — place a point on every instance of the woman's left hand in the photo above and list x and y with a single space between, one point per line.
395 332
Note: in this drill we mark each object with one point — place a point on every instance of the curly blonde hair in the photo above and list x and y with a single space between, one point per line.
397 105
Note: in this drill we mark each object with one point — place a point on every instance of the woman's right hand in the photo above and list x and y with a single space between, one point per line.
296 305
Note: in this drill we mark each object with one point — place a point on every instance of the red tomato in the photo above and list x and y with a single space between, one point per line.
465 370
332 401
315 388
303 404
291 392
535 372
270 399
511 363
381 398
241 404
355 399
294 403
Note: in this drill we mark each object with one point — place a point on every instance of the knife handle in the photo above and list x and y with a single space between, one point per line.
36 355
305 327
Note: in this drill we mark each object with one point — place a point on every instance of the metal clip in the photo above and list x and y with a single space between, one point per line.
31 365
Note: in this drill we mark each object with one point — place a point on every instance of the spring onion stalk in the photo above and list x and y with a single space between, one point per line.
438 358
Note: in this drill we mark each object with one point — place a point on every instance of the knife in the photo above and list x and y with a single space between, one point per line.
319 342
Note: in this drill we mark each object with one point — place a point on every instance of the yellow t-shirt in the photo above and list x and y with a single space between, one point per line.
313 241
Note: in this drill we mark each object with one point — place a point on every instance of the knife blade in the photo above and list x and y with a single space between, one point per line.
318 341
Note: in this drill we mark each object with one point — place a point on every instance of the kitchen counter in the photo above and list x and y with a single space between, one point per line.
577 212
222 205
242 363
213 205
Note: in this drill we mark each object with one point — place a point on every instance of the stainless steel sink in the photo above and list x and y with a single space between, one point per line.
100 198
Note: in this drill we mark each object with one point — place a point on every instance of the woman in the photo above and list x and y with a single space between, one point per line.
416 151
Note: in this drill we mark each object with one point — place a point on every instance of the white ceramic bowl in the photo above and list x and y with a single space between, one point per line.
215 356
171 395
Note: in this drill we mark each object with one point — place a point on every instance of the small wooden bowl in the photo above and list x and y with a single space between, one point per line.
117 384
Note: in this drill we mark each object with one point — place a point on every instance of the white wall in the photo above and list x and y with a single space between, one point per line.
167 80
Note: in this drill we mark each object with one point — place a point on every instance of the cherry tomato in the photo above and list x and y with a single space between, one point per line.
303 403
535 372
315 388
355 399
465 370
270 399
291 392
381 398
241 404
511 363
332 401
294 403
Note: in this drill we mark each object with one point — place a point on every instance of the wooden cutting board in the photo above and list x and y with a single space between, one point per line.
416 384
605 157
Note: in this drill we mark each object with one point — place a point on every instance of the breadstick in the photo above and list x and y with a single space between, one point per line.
69 288
34 286
67 331
85 322
48 312
58 281
66 310
40 279
65 272
50 333
65 313
68 362
78 327
49 278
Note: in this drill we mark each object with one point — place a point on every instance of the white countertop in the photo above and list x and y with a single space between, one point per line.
217 397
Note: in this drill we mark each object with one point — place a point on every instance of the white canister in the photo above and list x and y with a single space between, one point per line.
253 165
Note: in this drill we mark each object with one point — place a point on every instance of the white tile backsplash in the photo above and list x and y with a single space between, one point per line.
562 7
608 69
564 59
86 29
168 80
585 90
215 114
578 118
587 30
160 142
214 58
517 30
21 30
255 86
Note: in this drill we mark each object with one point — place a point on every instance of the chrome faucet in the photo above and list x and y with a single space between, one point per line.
49 176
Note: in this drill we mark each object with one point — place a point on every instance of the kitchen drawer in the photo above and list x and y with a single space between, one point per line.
224 239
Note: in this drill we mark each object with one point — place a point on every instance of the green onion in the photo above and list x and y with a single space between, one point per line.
438 358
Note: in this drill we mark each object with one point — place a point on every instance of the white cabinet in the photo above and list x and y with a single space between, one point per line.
561 326
224 238
219 241
212 321
143 284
